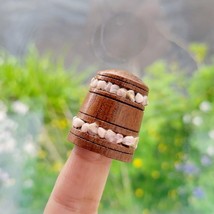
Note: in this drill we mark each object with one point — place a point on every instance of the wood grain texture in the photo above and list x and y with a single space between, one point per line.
79 140
106 125
111 111
102 141
117 98
124 76
122 84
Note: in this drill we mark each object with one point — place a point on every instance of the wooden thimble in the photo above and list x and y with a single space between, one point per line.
109 120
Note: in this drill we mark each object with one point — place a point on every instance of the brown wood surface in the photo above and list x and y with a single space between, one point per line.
85 143
118 98
102 141
111 111
124 76
106 125
122 84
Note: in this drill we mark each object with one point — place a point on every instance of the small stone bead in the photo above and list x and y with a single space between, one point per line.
101 84
77 122
145 100
93 83
114 88
122 92
85 127
110 136
136 142
139 98
92 128
108 86
101 132
130 94
128 140
119 138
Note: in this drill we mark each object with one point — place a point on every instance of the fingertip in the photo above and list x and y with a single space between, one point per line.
80 184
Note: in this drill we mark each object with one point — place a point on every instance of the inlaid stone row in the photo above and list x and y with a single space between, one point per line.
115 89
109 135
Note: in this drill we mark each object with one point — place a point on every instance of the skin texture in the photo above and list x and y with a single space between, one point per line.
80 184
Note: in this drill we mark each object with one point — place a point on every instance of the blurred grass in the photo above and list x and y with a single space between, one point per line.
158 180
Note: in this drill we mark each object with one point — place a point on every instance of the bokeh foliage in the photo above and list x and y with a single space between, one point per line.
172 170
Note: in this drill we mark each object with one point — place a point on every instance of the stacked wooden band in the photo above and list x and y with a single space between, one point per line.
111 111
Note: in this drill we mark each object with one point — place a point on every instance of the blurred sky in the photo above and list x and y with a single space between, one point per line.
123 34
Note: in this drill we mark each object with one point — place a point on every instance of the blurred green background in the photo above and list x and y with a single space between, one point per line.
49 51
172 170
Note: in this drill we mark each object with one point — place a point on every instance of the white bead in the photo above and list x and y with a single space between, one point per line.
92 128
101 132
114 88
119 138
128 140
84 127
122 92
108 86
130 94
136 142
145 100
139 98
110 136
93 83
77 122
101 84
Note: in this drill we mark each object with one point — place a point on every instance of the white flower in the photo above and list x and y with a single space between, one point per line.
10 124
20 107
197 121
3 175
30 148
210 150
3 115
205 106
7 125
5 135
7 146
187 118
211 134
10 182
